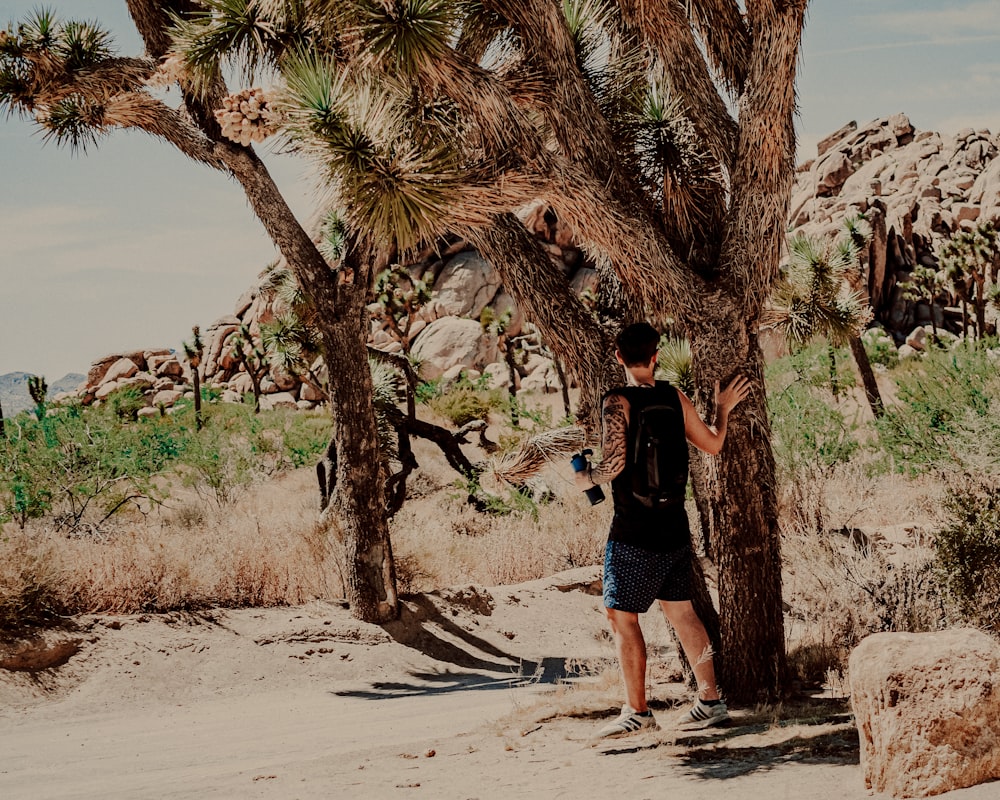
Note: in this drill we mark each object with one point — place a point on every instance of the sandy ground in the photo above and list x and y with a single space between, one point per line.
474 693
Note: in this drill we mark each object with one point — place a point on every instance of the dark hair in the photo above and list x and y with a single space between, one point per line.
637 343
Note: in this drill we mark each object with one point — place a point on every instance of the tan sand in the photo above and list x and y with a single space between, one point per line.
476 693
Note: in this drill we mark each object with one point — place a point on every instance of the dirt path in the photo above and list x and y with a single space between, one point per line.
474 694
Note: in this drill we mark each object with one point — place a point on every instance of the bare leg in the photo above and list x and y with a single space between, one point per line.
631 648
696 644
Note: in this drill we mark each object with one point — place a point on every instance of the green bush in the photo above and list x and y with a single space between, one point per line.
948 415
305 436
808 432
428 390
967 550
126 402
465 401
80 466
810 365
880 347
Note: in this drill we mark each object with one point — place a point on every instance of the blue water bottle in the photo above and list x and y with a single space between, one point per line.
595 494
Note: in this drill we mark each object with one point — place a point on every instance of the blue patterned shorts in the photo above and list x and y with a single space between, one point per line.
634 578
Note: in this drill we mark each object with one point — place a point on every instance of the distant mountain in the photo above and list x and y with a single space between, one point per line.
14 390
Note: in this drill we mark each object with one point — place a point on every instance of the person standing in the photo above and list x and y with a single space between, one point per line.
648 553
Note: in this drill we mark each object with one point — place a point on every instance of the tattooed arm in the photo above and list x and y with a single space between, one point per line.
614 424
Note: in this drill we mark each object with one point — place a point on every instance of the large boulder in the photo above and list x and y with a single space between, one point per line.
449 341
831 172
927 707
467 284
122 368
278 400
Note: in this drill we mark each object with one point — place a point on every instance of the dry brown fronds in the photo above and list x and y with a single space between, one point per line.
537 451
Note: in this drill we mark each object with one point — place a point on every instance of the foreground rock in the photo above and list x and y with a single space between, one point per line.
927 707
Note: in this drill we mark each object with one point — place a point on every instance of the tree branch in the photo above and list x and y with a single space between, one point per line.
668 33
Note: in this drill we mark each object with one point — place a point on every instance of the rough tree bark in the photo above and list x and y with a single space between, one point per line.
338 297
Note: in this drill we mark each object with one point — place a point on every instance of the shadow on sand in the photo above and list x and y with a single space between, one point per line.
433 633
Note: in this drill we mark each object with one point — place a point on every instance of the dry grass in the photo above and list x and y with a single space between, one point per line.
268 549
857 551
443 541
265 551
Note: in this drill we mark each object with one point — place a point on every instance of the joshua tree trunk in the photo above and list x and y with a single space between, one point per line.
508 357
196 380
339 299
2 433
359 503
572 334
864 365
254 383
745 535
563 386
834 386
699 488
980 304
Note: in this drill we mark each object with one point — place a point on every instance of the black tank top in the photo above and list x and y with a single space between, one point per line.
664 529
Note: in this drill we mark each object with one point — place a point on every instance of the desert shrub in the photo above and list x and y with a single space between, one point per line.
305 437
810 365
809 433
967 549
948 415
222 461
428 390
838 594
29 583
126 402
466 401
880 347
82 466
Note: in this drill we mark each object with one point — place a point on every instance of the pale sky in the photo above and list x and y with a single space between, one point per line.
129 245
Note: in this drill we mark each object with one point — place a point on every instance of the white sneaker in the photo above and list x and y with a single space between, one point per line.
629 721
702 715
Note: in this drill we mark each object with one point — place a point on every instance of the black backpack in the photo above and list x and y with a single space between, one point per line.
659 453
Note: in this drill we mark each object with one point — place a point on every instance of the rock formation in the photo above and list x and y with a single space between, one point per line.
916 188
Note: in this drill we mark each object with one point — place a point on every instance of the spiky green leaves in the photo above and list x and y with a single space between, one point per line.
676 364
42 51
333 237
394 180
245 34
674 167
408 35
813 298
73 121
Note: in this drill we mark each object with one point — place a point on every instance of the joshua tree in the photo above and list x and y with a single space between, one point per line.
972 258
858 232
2 431
69 78
431 116
499 326
247 353
399 297
925 285
39 391
438 115
193 352
814 299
